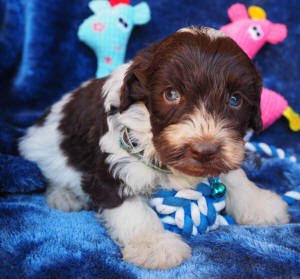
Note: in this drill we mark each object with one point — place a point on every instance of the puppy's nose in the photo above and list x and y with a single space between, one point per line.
203 152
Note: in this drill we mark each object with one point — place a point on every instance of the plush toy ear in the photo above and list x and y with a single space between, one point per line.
134 88
141 13
98 5
277 34
237 12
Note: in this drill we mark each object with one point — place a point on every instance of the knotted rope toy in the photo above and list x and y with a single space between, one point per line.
192 211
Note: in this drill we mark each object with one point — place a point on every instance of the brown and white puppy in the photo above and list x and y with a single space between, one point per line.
187 102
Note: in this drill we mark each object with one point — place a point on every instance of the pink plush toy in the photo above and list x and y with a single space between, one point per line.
251 33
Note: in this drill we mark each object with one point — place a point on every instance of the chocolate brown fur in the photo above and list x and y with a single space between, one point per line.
82 126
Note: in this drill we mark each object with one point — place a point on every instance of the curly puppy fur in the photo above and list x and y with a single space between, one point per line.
175 99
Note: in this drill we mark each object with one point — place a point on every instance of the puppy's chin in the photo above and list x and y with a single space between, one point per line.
191 167
198 172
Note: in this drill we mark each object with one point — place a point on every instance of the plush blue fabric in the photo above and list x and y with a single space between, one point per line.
41 58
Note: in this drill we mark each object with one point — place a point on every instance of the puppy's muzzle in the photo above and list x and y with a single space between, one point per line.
201 159
201 145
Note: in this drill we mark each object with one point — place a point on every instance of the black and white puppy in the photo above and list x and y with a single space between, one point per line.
185 105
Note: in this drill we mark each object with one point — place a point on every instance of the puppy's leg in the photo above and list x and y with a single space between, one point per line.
63 199
251 205
140 233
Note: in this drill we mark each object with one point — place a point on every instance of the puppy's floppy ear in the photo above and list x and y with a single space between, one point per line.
256 120
134 88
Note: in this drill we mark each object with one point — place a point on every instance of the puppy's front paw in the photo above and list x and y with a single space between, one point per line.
265 208
156 251
64 200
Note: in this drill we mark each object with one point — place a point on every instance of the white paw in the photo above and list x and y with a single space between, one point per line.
64 200
265 208
156 251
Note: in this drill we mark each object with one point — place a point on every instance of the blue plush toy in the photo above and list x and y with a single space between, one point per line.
108 30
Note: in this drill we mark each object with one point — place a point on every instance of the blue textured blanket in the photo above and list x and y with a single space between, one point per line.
40 59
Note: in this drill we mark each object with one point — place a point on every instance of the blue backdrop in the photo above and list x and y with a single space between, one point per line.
40 59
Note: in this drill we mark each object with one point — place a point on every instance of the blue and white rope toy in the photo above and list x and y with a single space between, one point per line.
268 150
291 197
192 211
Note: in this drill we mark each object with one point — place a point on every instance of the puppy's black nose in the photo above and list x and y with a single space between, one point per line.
203 152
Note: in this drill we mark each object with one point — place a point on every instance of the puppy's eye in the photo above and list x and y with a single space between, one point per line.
235 100
171 95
